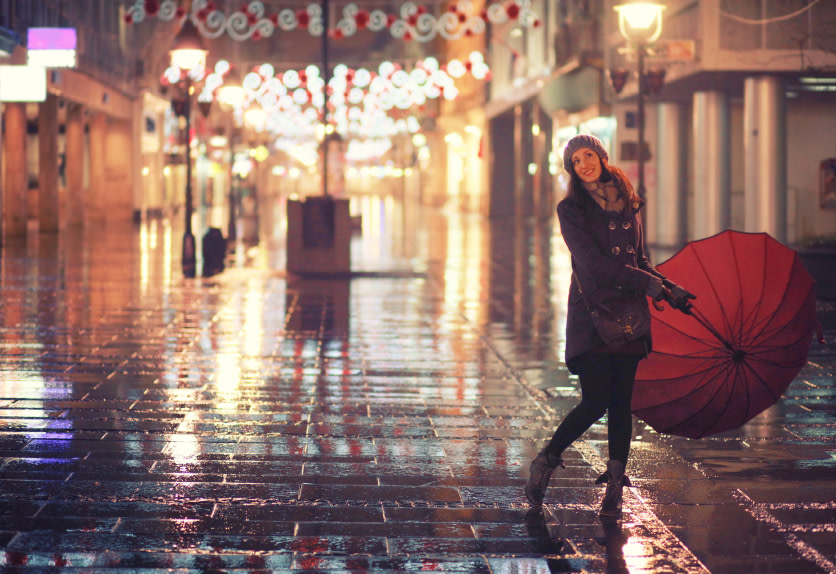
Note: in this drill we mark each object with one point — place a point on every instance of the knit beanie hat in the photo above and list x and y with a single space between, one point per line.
582 141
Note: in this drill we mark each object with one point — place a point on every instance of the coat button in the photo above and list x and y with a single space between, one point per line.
616 250
626 225
630 249
612 226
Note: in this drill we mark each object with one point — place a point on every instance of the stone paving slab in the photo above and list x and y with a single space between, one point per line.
378 424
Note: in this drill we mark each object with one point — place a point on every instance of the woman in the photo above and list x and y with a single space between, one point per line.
600 223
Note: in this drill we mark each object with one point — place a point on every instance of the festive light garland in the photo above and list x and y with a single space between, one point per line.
361 102
414 22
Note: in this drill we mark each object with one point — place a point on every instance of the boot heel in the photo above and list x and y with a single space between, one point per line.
611 505
540 473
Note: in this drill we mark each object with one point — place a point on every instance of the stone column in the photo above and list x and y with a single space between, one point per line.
546 193
765 156
16 175
500 156
74 164
95 210
523 184
671 175
118 198
712 164
48 200
140 191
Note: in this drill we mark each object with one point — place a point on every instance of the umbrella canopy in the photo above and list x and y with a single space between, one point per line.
747 339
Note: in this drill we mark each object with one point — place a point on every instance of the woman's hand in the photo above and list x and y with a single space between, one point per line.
681 292
679 298
655 288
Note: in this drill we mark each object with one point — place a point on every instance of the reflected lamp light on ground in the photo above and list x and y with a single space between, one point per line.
640 22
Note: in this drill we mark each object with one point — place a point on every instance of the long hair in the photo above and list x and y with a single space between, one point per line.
577 193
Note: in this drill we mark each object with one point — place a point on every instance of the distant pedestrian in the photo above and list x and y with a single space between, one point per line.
601 225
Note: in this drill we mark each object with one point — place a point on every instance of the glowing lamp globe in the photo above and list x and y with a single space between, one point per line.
232 92
188 52
640 22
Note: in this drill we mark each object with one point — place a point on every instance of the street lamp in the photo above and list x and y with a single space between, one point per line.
188 53
641 24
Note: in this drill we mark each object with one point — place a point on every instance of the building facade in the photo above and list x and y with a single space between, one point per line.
739 134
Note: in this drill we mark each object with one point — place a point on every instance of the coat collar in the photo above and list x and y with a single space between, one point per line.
635 207
638 204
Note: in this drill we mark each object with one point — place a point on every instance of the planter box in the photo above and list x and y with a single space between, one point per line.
318 236
821 264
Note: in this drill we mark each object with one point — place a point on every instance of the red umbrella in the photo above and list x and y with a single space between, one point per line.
745 341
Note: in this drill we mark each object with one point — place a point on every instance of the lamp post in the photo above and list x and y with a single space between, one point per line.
641 24
326 78
188 53
231 96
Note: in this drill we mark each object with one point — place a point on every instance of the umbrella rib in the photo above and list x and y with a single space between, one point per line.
726 368
707 342
746 333
694 355
697 314
766 350
730 393
739 309
767 363
762 381
716 297
757 325
761 349
691 374
781 327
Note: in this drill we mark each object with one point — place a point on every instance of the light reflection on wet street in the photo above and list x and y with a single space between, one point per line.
384 423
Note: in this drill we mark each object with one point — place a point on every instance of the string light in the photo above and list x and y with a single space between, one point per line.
412 21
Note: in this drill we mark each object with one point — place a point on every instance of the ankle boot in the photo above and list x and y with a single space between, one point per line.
616 481
540 473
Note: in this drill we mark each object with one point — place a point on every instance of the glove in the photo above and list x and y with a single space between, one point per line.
681 293
654 288
681 302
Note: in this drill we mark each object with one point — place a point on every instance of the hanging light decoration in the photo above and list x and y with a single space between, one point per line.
360 101
412 22
366 105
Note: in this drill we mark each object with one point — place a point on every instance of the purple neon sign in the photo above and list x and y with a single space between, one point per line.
52 39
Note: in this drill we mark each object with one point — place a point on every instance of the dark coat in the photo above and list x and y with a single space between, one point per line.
608 254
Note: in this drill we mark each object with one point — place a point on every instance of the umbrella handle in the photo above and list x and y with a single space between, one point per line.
820 334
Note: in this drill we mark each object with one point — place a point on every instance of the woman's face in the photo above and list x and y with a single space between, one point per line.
587 165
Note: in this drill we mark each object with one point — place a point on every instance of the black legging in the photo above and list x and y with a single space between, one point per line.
606 386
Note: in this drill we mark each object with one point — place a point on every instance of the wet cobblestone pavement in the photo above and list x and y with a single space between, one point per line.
382 423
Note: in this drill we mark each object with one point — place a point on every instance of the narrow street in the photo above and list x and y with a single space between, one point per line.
383 423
